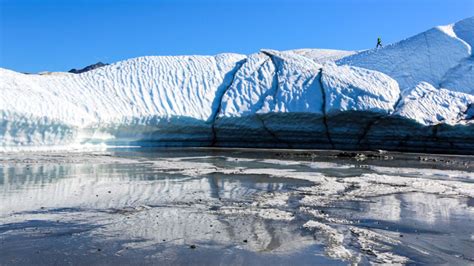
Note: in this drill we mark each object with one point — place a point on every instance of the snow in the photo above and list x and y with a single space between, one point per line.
139 87
296 85
425 57
335 248
358 89
428 105
461 77
322 56
252 80
45 110
299 87
308 98
463 29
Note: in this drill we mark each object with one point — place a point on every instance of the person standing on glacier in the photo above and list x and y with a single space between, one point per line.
379 43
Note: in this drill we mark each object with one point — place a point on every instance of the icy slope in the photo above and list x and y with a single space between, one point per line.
426 57
461 77
413 95
463 29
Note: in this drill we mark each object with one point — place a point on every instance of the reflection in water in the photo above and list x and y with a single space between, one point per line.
386 208
145 207
114 186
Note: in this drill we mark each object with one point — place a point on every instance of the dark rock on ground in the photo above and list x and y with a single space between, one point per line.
87 68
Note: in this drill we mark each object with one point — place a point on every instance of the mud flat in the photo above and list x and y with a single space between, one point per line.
236 206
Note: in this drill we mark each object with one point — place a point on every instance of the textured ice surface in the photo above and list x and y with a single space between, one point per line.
414 95
428 105
426 57
322 55
357 89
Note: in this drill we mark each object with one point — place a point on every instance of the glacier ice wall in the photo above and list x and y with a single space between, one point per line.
414 95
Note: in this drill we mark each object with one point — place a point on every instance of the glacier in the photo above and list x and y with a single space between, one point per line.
414 95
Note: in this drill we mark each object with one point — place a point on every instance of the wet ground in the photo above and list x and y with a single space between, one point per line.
235 207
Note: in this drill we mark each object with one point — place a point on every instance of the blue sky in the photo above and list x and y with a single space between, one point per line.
55 35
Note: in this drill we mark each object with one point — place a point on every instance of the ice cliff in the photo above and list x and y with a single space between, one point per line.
414 95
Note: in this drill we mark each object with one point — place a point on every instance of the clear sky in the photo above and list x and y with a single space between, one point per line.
56 35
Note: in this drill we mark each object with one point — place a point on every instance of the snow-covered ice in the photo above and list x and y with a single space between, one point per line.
414 95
